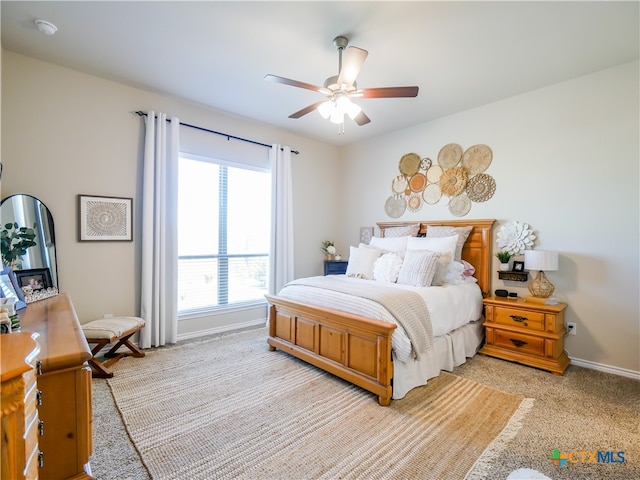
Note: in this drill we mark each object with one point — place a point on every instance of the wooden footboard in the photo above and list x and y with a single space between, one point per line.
354 348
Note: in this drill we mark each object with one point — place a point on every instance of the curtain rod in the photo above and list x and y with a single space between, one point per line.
229 137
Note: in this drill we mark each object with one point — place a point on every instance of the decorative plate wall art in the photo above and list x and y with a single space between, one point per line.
457 180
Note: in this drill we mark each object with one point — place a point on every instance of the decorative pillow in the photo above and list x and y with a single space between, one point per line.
469 269
439 244
444 231
408 231
455 274
387 267
361 262
393 244
418 268
439 278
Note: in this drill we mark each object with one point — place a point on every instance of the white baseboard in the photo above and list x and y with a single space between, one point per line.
227 328
623 372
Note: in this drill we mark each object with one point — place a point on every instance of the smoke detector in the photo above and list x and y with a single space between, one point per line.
45 27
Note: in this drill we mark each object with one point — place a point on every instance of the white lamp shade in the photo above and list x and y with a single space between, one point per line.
540 260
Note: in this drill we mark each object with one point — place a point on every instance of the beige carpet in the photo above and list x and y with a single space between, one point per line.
267 415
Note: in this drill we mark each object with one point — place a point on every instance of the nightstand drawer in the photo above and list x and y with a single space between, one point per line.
335 267
519 342
515 317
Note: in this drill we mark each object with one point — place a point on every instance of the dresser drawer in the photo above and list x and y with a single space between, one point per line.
519 342
515 317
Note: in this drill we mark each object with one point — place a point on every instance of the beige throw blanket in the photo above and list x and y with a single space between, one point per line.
408 308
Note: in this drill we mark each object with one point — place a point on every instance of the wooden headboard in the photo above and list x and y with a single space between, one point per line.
476 250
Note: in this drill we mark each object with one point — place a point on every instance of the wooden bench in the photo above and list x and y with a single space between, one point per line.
114 330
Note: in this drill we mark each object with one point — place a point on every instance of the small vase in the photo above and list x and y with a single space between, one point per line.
329 257
504 267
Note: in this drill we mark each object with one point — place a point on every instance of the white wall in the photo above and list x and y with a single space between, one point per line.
67 133
565 161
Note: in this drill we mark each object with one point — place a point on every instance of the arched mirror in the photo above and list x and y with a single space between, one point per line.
34 226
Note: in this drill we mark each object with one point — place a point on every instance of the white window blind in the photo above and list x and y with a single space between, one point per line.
223 233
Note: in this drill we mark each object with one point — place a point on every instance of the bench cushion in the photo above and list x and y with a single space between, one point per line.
113 327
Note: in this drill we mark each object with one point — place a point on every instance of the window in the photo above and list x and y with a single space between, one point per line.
224 218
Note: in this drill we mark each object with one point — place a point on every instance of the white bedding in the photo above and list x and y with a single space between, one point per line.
450 306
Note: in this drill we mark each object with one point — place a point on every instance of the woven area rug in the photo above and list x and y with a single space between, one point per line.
228 408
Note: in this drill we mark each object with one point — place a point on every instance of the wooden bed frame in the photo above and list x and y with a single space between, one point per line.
355 348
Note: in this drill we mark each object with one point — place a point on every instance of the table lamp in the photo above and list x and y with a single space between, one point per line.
542 261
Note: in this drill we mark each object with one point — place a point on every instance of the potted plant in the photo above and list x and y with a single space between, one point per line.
504 258
15 241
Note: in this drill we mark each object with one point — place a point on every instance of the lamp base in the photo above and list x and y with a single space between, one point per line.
540 287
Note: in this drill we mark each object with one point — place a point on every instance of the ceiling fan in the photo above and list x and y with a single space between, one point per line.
340 89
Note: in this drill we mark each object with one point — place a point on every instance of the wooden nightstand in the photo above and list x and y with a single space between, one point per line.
527 333
335 267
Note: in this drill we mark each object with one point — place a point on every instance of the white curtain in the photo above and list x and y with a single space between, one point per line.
158 290
281 255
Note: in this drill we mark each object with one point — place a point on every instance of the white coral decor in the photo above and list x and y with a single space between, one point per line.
515 238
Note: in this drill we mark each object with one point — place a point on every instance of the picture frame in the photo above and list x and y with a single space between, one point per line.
9 288
518 266
106 219
35 278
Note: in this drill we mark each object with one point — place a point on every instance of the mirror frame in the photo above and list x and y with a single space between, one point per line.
50 234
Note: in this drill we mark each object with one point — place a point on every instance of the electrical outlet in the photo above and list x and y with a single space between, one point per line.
571 326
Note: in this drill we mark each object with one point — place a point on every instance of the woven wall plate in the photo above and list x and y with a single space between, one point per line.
453 181
481 187
418 182
460 205
433 174
431 194
476 159
399 184
395 206
414 202
450 155
409 164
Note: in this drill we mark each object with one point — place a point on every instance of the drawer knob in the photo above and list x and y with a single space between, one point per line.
517 342
518 318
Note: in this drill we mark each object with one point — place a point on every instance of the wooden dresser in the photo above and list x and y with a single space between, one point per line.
19 413
527 333
65 382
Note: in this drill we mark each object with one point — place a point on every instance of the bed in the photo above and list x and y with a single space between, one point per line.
360 348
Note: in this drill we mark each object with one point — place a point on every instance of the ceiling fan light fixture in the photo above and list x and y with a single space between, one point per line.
326 109
337 116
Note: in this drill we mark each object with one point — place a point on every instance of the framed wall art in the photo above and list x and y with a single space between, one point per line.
105 219
518 266
9 288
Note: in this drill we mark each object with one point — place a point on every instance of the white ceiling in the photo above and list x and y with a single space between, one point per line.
460 54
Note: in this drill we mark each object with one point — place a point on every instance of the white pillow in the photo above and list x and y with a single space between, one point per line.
446 231
455 274
439 278
418 268
391 244
436 244
361 262
387 267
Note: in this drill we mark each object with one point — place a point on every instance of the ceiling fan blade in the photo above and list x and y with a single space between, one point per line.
361 118
306 110
352 64
293 83
387 92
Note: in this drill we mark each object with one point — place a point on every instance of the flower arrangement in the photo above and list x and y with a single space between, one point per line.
328 247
